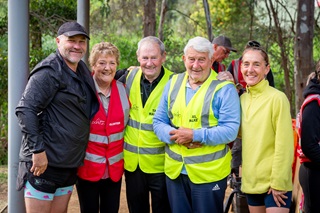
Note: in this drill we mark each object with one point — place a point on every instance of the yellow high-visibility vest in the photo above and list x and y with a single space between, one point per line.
141 145
207 163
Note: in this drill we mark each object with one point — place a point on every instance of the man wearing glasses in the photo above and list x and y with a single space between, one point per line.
222 47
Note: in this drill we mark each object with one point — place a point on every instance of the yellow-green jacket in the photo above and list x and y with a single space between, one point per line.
267 140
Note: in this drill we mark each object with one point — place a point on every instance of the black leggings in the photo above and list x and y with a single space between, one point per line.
310 182
103 195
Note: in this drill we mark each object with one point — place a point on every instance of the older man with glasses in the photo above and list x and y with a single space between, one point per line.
222 48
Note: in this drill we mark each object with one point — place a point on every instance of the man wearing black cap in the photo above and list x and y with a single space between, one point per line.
222 47
54 115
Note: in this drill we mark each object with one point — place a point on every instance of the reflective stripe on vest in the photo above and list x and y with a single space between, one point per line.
174 93
100 159
95 158
116 158
138 125
198 159
104 139
143 150
130 78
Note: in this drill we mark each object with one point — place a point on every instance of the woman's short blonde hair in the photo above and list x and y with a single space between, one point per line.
103 48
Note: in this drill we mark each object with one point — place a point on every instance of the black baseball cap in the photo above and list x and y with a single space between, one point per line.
224 41
71 29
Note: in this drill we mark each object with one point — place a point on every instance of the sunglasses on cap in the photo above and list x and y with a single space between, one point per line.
253 44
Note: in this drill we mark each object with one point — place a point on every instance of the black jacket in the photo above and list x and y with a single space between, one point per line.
55 110
310 127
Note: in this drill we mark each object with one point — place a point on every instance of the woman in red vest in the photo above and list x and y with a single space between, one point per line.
99 182
309 122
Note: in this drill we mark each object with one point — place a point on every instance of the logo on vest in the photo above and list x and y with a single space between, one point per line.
114 123
134 107
193 118
153 111
177 114
98 122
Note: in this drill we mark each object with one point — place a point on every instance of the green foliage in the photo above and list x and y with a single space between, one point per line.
35 56
3 17
127 47
125 18
223 14
275 63
174 48
3 100
316 51
3 83
47 15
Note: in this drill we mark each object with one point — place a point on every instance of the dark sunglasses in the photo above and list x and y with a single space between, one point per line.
253 44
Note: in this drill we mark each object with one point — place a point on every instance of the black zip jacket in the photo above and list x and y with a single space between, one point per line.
55 110
310 127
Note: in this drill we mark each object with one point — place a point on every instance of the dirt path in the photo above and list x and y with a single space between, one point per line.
74 203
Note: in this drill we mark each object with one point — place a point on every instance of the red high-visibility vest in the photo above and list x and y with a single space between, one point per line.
238 77
313 97
105 146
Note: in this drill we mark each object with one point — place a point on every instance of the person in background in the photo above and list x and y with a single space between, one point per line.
143 151
54 114
196 119
267 138
222 47
99 182
309 173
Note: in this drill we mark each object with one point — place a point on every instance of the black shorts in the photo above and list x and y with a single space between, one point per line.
49 181
267 200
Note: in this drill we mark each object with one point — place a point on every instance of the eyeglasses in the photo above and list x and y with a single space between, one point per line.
253 44
225 51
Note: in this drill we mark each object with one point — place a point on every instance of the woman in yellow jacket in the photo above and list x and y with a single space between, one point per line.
267 138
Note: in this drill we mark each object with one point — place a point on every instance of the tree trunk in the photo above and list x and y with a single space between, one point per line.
284 55
303 50
149 20
208 19
164 8
251 4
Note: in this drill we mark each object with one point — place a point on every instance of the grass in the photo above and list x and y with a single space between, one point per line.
3 174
